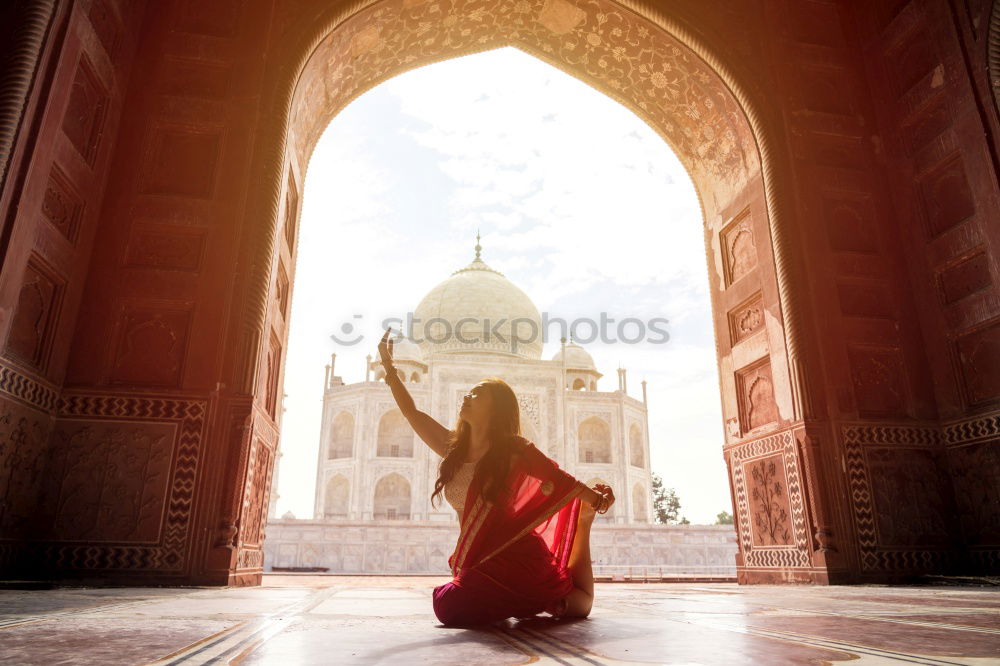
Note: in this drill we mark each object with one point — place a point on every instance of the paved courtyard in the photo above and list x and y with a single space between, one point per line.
384 620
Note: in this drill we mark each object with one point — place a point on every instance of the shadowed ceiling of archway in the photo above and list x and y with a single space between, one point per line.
611 48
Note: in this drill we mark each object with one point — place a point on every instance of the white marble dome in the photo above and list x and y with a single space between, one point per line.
576 356
481 296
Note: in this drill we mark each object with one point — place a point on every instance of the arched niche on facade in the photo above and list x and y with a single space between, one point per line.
336 497
595 440
391 500
636 446
579 385
639 503
395 436
341 436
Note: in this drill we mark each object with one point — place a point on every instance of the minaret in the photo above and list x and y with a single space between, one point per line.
643 382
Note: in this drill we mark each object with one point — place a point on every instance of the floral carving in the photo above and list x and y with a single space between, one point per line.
109 481
769 498
608 47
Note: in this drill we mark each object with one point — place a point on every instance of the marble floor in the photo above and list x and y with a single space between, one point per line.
383 620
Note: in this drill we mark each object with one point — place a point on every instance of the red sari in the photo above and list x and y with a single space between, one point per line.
510 559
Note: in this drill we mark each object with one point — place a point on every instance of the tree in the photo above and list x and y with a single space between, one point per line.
666 505
724 518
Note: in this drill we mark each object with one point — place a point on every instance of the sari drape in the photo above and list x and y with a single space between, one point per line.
511 556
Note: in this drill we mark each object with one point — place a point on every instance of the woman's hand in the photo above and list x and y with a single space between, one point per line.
385 352
607 498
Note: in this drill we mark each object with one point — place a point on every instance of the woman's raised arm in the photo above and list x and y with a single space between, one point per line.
433 433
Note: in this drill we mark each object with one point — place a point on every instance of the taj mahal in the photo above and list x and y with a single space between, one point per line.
372 508
371 464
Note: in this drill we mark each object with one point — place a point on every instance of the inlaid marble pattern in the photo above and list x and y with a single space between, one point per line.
385 620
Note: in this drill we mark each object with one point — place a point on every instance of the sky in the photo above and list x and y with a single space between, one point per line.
579 203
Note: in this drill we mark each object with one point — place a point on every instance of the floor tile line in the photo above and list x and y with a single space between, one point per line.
828 643
517 643
901 620
577 651
4 624
206 639
243 634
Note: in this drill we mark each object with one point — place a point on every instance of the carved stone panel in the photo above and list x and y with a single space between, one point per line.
560 16
282 291
86 111
219 18
272 372
184 77
979 363
61 205
746 319
105 22
769 508
23 448
755 393
946 196
912 58
108 481
850 222
965 278
976 478
868 299
36 316
181 162
256 495
291 211
739 248
165 247
151 346
879 380
907 492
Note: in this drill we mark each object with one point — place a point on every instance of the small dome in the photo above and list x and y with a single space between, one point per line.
576 357
405 349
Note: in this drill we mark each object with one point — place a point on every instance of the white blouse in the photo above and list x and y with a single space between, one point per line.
458 487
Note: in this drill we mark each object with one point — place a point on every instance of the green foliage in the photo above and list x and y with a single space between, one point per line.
724 518
666 505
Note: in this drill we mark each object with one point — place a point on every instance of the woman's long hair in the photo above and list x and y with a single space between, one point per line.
503 430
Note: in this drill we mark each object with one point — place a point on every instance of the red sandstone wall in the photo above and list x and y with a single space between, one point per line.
51 210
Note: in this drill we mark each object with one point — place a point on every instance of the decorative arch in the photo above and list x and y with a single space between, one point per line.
336 497
639 503
623 48
627 49
341 436
395 436
594 435
636 446
578 384
391 500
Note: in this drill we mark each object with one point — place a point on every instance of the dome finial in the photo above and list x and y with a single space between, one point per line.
478 246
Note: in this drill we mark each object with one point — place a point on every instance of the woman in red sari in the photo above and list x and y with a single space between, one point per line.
524 545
